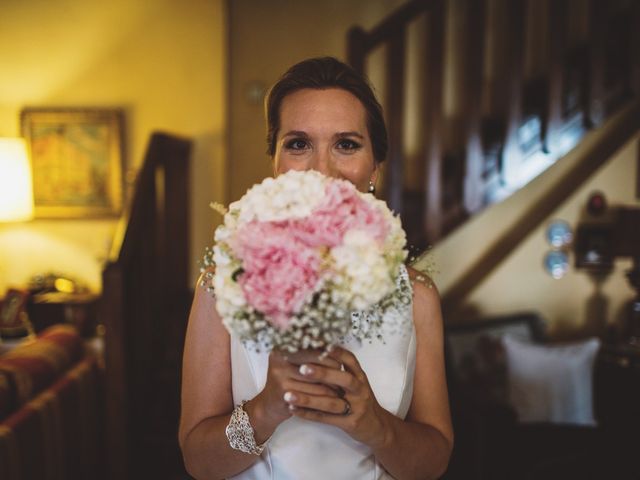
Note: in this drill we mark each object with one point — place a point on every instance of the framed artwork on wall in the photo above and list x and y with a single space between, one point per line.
77 161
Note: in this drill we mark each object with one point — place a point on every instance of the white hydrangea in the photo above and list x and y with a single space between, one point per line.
230 297
364 271
293 195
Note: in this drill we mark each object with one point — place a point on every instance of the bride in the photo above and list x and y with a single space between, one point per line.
374 410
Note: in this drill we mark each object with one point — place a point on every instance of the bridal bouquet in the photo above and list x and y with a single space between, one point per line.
303 260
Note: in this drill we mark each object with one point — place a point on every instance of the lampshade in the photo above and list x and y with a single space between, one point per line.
16 191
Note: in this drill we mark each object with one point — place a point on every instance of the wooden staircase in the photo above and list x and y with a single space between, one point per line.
528 79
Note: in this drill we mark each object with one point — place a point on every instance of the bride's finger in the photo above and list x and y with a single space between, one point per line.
317 356
326 404
331 376
349 360
315 389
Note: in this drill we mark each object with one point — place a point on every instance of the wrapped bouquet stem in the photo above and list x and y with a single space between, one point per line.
304 260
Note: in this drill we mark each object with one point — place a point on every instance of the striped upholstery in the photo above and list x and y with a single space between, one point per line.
30 368
56 436
55 433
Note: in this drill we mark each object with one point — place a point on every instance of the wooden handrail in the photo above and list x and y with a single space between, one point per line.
626 127
395 22
144 286
476 155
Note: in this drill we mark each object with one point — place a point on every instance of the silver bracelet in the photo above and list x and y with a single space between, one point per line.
240 432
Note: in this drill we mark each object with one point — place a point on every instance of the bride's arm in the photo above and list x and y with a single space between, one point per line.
420 445
206 395
207 401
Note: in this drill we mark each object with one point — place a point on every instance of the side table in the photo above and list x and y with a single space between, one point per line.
81 310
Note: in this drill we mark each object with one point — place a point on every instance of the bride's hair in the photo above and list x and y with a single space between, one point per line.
321 73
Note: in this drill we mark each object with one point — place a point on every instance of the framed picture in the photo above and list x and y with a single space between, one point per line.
77 161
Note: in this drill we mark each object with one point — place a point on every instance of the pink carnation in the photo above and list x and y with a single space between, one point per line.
342 209
280 272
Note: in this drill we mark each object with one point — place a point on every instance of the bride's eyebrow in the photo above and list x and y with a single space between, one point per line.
349 134
295 133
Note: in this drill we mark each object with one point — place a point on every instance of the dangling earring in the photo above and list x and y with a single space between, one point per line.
372 188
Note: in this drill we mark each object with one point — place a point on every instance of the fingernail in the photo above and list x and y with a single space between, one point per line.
322 356
289 397
305 369
330 348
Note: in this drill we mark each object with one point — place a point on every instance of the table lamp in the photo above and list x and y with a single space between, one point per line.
16 191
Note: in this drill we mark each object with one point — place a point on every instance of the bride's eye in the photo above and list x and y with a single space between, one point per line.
296 144
348 145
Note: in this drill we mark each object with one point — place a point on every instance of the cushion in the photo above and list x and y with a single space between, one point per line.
33 366
476 355
551 383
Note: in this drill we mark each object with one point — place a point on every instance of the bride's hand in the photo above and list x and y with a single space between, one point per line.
283 379
357 412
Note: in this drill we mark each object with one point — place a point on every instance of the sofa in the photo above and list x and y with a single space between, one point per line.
497 434
50 408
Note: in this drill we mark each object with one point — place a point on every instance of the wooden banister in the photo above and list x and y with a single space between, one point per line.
474 157
432 220
396 23
144 288
624 129
395 96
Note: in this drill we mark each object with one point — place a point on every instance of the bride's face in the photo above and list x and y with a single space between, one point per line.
325 130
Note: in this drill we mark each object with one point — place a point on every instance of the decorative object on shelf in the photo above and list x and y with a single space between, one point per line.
556 261
52 282
76 157
56 298
16 194
594 248
14 321
559 234
609 233
597 204
77 309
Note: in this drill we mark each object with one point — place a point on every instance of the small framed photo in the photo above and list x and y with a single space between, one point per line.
77 161
13 313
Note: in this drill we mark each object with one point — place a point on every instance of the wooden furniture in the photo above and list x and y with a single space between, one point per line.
490 442
80 310
51 409
510 117
617 377
144 309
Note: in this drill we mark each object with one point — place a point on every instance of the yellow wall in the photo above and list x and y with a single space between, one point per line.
266 38
519 282
163 62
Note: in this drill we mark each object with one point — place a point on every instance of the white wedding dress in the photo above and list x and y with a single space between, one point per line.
300 449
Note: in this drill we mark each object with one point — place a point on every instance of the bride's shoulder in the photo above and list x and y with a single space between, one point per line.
422 283
426 299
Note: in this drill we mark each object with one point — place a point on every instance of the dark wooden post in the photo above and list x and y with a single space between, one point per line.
395 65
512 153
474 55
112 316
597 25
356 48
432 111
558 25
